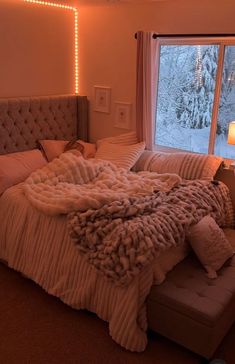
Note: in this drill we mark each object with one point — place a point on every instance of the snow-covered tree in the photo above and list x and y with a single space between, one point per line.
227 98
196 98
173 60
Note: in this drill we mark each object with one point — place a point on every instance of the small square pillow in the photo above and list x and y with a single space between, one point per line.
210 245
89 149
124 156
53 148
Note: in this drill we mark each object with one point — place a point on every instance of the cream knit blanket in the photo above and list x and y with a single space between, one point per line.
71 183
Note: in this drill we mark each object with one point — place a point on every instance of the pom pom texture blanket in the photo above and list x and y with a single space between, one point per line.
72 183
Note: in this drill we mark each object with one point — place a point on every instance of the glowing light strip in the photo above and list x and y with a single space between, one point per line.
48 3
76 48
199 67
67 7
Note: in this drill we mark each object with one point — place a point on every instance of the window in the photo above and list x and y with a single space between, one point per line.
196 94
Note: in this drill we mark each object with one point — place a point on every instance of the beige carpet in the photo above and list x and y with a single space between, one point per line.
36 328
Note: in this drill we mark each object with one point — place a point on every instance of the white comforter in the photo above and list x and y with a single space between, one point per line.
72 183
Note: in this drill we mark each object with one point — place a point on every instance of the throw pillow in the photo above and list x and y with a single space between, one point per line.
124 156
210 245
122 139
53 148
16 167
187 165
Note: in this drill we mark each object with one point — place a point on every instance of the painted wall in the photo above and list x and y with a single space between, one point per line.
36 50
37 54
108 48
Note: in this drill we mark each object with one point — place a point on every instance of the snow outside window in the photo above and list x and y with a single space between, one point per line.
196 94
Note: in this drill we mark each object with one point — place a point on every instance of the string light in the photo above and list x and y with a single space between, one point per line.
76 48
48 3
66 7
198 71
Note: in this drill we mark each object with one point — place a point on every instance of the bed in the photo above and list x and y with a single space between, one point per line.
39 245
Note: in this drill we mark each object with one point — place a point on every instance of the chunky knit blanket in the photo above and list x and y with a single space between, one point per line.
124 236
71 183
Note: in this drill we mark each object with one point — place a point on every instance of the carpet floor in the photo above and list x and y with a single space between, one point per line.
36 328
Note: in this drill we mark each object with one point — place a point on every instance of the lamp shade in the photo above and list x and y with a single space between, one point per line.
231 133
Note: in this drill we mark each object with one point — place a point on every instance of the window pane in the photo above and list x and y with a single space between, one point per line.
186 87
226 106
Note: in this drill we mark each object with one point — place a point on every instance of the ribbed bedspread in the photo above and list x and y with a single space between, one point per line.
39 246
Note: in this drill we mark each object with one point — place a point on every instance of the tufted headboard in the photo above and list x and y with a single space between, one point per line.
25 120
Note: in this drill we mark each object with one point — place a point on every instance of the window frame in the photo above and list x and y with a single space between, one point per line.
218 40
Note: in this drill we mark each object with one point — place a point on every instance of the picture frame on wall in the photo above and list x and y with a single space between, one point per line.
122 115
102 99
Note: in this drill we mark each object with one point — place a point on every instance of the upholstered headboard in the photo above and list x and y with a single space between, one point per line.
25 120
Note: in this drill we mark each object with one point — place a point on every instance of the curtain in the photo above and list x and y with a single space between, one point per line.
146 87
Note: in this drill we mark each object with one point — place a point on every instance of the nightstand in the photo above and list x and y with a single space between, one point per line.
227 175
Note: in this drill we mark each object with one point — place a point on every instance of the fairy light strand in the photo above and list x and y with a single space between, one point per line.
66 7
198 71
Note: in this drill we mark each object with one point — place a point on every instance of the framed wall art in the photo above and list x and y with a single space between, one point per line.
122 115
102 99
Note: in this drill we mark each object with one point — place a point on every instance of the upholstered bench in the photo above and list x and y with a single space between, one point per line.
191 309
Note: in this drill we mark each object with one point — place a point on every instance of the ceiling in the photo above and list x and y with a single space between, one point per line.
105 2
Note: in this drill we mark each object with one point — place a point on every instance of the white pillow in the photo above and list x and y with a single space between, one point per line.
187 165
124 156
123 139
210 245
16 167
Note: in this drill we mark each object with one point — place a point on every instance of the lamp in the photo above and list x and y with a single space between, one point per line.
231 137
231 133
